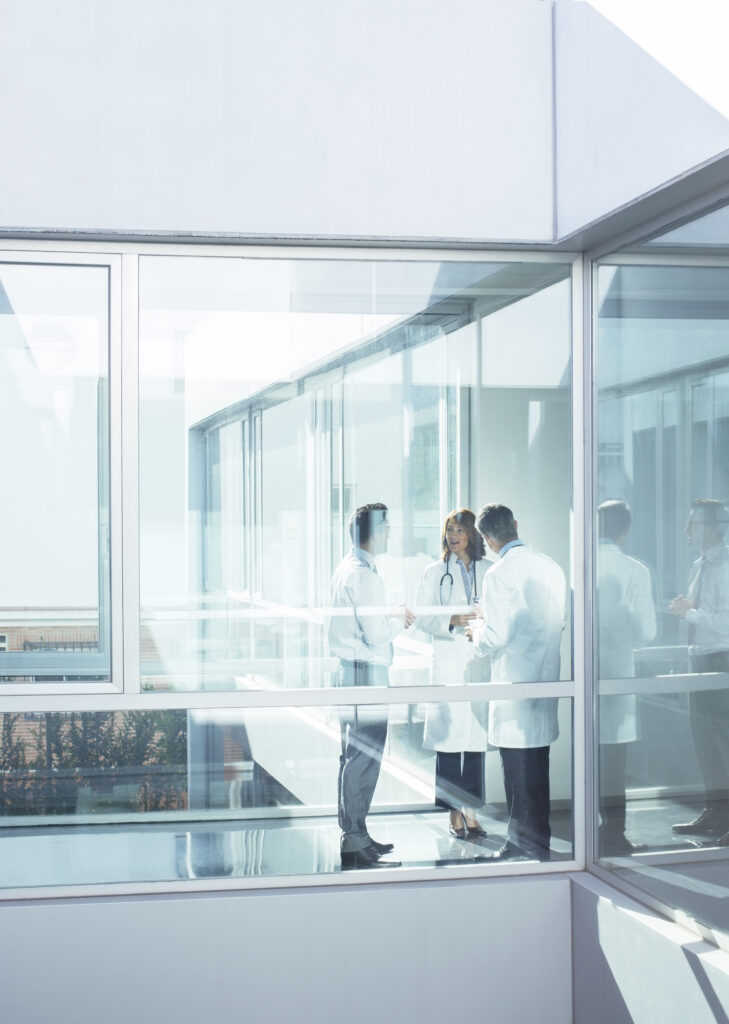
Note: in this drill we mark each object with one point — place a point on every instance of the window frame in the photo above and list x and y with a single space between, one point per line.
124 692
620 250
111 262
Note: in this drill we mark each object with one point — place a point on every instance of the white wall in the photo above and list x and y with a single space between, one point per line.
625 125
333 117
513 950
409 953
632 967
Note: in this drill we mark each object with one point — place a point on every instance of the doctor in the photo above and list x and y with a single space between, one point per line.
523 608
361 631
445 605
626 619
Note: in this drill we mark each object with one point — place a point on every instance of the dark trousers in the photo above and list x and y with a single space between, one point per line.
363 734
459 779
612 787
710 727
526 782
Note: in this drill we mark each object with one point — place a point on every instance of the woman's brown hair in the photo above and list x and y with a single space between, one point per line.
465 518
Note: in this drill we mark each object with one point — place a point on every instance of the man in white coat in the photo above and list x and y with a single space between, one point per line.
626 619
361 632
523 608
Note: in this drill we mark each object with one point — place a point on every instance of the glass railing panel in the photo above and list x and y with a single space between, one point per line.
163 795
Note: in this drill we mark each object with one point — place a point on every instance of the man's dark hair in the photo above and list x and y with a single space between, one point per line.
613 519
365 521
713 513
497 522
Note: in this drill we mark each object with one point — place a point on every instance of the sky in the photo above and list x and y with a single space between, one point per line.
688 37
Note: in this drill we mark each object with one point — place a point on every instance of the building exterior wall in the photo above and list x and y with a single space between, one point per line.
326 119
403 953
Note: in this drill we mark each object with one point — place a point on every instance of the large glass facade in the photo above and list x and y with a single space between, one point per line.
259 398
662 567
255 399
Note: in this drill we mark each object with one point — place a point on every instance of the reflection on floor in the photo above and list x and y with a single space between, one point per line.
684 871
688 872
88 854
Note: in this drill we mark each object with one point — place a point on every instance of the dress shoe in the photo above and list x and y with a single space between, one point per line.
617 845
709 823
510 851
368 857
382 847
476 832
457 833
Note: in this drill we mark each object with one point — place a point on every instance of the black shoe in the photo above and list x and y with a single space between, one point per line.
619 845
509 851
477 832
368 857
708 823
382 847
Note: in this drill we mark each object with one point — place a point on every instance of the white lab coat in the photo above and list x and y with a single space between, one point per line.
523 606
459 726
626 619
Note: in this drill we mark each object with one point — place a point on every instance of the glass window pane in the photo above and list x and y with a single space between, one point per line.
160 795
663 579
278 395
663 369
54 594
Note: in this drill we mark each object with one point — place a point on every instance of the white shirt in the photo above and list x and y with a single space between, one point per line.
523 606
626 613
362 630
709 590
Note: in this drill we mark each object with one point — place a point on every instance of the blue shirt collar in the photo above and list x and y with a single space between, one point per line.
512 544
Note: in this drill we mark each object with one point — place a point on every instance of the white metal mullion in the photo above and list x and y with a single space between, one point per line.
590 323
130 470
683 683
116 516
41 250
279 698
475 870
581 539
658 258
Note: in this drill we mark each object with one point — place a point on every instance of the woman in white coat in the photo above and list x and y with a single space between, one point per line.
446 603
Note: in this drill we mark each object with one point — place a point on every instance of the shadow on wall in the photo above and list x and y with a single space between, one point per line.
631 967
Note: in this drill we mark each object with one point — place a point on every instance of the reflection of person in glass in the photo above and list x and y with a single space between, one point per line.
626 619
523 609
448 593
706 611
361 632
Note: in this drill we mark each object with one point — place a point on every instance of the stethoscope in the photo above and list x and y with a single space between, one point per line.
450 584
